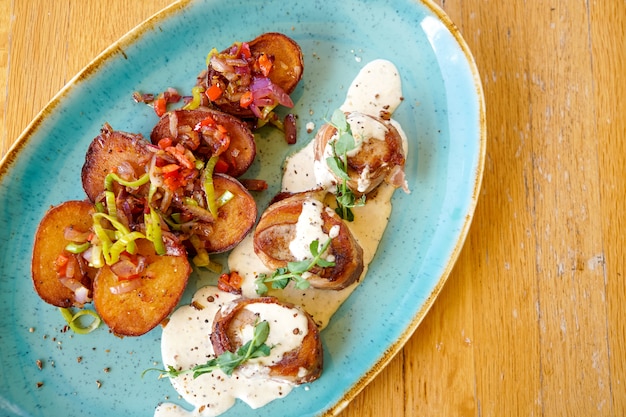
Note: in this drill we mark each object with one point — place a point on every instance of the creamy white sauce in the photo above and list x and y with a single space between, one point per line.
185 340
287 330
185 343
376 88
363 129
308 229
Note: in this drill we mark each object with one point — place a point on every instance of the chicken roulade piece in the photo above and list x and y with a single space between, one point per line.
287 228
377 156
296 354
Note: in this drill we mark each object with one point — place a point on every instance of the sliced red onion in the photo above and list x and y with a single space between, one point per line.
220 65
125 286
81 293
74 235
173 125
262 87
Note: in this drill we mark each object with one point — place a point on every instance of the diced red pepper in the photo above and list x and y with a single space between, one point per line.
170 168
60 263
160 106
230 282
165 143
221 166
246 99
207 121
213 92
265 64
245 50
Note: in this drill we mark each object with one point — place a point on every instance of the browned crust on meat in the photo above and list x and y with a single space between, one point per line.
377 155
309 356
276 229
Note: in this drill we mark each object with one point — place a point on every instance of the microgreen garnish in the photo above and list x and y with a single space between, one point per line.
294 270
227 362
338 164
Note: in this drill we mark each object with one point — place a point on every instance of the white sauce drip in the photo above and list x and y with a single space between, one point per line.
363 129
376 88
185 343
308 229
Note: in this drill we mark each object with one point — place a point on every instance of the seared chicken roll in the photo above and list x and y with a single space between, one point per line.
296 354
378 154
286 230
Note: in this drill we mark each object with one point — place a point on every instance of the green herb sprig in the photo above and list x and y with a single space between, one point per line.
227 362
338 164
294 270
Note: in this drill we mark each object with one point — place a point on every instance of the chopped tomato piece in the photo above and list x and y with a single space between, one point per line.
246 99
221 166
160 106
207 121
230 282
213 92
265 64
165 142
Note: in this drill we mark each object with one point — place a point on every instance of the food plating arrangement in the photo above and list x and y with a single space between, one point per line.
157 208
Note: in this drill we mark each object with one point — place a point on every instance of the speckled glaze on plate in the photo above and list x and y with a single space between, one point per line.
443 115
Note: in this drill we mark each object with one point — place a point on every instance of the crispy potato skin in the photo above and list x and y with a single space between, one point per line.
288 61
138 311
235 218
308 356
49 244
106 153
242 149
276 229
286 71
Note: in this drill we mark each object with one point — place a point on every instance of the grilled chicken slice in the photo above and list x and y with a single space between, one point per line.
292 224
296 354
379 154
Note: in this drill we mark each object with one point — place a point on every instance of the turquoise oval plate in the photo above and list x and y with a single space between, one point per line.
442 113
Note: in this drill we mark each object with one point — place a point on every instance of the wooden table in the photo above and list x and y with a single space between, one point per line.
531 320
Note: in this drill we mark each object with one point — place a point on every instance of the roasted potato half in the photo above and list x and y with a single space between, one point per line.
277 228
235 218
50 243
159 289
182 126
288 61
288 324
287 66
113 151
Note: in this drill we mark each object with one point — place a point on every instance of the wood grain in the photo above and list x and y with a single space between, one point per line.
531 320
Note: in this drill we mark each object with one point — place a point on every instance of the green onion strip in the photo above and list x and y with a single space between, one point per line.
75 324
209 188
